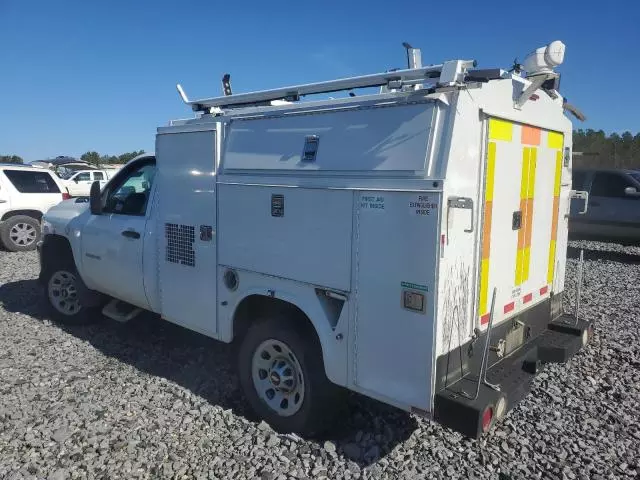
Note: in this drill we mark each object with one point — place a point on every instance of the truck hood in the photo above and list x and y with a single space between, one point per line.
61 214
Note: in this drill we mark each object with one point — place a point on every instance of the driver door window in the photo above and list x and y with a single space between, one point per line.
609 185
83 177
611 210
131 195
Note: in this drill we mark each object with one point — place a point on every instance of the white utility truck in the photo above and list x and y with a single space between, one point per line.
409 245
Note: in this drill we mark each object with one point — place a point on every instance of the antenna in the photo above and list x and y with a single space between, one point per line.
226 84
573 110
183 95
517 67
414 61
414 56
407 47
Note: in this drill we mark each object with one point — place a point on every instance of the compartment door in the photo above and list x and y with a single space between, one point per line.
187 253
503 220
395 261
520 218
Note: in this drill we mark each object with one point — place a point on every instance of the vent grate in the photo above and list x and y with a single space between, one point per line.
180 240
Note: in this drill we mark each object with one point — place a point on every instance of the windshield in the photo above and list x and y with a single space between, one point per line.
635 176
67 171
63 173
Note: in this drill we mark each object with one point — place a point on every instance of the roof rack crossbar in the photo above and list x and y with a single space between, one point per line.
403 77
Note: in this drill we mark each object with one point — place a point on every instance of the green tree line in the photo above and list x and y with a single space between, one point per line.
595 149
11 159
94 158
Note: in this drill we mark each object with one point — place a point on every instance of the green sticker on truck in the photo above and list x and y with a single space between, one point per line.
414 286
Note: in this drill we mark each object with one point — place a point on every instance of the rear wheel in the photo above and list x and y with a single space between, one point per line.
20 233
282 375
62 286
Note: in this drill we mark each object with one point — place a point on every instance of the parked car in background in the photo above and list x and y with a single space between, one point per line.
26 193
79 184
63 166
613 211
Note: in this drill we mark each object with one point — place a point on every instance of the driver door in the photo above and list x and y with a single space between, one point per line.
612 212
112 243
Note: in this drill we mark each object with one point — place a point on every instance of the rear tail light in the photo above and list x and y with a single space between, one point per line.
66 196
487 417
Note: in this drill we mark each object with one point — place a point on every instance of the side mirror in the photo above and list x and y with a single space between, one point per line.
631 192
75 179
95 202
583 195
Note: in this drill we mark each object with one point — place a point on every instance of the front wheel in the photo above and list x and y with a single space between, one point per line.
20 233
62 285
282 375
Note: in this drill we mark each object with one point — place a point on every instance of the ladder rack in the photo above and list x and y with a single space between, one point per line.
448 73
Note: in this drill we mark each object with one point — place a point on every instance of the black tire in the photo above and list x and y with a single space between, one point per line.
20 233
320 395
54 280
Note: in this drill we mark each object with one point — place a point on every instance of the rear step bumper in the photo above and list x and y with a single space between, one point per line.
455 405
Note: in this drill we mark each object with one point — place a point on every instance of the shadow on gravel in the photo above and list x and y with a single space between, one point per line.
367 431
607 255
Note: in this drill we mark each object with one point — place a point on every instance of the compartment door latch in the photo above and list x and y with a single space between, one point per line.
516 221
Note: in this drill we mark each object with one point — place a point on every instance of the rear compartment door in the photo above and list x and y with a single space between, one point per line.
520 217
395 261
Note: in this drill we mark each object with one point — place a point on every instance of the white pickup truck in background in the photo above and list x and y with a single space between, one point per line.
79 184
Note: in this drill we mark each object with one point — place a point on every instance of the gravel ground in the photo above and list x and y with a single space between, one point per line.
151 400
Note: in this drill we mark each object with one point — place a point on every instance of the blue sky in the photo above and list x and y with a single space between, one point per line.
101 75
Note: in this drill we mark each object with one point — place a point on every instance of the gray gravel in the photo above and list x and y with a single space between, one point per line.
150 400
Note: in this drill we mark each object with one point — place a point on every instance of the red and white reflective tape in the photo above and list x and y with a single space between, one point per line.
510 307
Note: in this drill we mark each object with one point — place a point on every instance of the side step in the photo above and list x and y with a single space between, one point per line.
120 311
563 339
